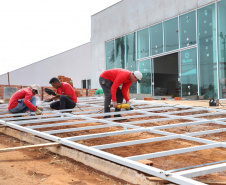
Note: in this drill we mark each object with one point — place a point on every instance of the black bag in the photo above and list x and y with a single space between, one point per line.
213 102
50 92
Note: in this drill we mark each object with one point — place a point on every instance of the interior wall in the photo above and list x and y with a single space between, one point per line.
166 74
166 64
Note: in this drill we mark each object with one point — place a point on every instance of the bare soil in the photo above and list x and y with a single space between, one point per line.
38 166
42 167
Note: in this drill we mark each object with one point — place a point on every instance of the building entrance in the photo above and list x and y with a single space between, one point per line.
166 75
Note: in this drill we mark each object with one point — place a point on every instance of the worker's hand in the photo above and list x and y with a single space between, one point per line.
57 95
48 100
114 104
39 107
38 112
130 105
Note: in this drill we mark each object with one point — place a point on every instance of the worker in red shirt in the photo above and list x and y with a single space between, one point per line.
110 80
25 100
65 93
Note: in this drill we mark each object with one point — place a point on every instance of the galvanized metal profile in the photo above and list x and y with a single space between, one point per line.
68 141
173 152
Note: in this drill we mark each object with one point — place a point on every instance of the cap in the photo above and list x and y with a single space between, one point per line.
138 75
36 87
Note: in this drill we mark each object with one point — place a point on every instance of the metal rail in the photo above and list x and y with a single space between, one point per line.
91 107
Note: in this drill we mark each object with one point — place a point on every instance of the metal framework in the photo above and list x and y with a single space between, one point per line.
89 112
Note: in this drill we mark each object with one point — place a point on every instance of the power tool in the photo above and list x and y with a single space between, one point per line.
123 106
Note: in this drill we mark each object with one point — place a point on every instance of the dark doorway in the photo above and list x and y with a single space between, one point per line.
166 75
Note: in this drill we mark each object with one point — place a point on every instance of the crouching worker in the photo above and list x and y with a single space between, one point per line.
24 100
65 93
110 81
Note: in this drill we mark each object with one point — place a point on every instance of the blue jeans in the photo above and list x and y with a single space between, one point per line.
22 108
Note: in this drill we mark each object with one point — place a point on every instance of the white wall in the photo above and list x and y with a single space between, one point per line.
74 63
128 16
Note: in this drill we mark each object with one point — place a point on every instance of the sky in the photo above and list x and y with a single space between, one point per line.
33 30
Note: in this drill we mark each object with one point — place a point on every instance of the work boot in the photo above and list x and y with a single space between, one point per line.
107 117
117 115
66 112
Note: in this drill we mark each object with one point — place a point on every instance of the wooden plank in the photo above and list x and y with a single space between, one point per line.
157 179
29 147
146 161
213 182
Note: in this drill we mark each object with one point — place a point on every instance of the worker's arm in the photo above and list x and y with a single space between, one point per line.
56 97
125 88
27 101
120 78
69 96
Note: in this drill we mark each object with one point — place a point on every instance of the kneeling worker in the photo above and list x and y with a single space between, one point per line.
110 80
65 94
24 100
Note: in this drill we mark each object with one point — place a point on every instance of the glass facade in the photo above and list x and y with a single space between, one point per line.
171 34
189 72
222 47
145 69
120 52
110 54
156 44
142 43
199 38
207 51
131 62
188 29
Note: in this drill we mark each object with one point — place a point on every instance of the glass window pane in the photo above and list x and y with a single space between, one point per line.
156 35
120 52
171 34
145 69
189 72
187 29
222 47
207 51
142 43
131 58
110 57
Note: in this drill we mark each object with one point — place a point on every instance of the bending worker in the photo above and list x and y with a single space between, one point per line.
65 93
110 81
25 100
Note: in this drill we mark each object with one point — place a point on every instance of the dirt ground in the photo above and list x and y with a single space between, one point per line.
41 167
38 166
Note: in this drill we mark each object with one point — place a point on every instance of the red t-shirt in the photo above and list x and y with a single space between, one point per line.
66 89
25 93
118 77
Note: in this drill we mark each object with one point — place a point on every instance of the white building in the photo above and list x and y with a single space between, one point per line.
178 45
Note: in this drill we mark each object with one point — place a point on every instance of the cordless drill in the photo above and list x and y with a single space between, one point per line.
123 106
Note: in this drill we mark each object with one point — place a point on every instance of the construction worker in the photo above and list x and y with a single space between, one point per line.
24 100
65 93
110 80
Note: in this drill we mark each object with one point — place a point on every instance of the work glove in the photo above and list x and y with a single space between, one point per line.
39 107
38 112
